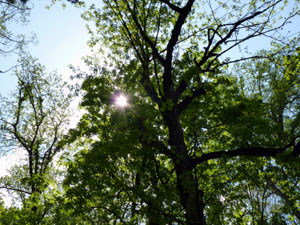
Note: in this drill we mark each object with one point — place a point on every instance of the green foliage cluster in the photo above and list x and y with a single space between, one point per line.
210 127
124 170
33 121
201 141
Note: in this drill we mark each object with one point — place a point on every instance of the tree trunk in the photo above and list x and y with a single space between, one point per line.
191 199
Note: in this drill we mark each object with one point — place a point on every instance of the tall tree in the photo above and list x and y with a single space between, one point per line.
33 120
170 56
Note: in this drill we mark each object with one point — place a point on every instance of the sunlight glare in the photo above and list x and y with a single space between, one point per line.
121 101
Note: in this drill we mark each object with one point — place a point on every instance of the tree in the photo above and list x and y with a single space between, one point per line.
12 12
33 121
277 84
187 117
117 148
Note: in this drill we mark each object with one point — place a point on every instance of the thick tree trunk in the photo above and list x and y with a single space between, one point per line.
190 198
189 195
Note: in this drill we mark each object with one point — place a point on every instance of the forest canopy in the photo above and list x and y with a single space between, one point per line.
209 134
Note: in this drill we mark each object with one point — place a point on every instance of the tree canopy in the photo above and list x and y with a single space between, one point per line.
33 121
195 133
209 135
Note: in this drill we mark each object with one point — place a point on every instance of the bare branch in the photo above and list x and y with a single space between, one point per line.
5 71
15 189
210 52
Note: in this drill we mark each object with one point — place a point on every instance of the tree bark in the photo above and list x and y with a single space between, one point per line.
191 199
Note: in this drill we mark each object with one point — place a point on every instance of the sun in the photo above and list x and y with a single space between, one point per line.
121 101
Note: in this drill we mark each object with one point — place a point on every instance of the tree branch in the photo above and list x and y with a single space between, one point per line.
15 189
296 151
167 76
21 140
285 198
146 82
172 6
188 99
251 151
235 26
177 29
145 36
145 78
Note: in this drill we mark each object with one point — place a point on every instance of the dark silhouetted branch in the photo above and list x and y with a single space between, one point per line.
15 189
172 6
188 99
251 151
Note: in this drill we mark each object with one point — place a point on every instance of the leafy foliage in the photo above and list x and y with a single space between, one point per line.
201 141
33 121
196 139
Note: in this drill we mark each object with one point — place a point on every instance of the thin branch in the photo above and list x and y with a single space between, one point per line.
5 71
145 36
15 189
15 125
285 198
235 26
49 153
156 76
145 77
158 25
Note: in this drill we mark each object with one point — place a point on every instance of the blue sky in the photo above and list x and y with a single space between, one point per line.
62 39
61 36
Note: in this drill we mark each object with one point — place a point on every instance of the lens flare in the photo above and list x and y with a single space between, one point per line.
121 101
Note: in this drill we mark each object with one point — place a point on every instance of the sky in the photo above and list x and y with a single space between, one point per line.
61 36
62 40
